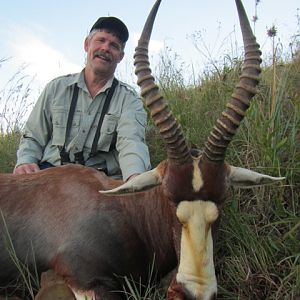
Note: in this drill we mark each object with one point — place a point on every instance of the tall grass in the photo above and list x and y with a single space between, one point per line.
14 107
8 147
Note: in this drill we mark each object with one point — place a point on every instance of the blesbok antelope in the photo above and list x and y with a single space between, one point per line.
57 218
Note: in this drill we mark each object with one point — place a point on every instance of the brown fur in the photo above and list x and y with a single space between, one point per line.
57 219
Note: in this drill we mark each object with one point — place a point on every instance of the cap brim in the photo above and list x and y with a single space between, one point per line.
114 24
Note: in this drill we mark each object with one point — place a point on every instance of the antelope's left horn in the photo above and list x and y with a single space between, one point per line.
229 121
177 149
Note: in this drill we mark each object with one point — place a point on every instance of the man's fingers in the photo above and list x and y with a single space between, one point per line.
26 169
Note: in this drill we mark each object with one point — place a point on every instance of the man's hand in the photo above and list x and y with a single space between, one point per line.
26 169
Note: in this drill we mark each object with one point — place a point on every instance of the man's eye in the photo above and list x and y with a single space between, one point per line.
116 46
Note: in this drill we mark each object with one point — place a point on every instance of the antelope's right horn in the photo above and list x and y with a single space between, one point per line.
229 121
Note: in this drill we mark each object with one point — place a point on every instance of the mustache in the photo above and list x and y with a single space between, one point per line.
102 54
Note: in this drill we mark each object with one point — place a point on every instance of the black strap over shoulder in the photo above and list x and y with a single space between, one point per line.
65 158
104 111
63 154
72 110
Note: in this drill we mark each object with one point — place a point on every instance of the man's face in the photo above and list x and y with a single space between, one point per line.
104 51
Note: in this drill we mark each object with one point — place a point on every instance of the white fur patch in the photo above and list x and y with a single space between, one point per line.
196 270
197 177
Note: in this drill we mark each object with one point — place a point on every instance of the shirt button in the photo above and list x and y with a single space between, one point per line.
83 131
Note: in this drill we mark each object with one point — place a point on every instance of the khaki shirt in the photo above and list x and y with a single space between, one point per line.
124 122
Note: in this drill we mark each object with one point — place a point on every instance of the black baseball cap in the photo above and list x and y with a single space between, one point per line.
112 23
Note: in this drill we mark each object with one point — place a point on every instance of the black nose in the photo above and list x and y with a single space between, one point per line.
214 297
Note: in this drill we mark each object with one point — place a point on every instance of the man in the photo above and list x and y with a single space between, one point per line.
69 122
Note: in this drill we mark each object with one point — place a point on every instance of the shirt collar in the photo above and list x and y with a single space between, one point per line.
79 79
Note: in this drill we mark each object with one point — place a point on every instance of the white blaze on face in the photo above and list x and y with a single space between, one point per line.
197 177
196 270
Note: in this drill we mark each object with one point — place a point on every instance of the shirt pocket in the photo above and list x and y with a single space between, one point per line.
108 132
60 118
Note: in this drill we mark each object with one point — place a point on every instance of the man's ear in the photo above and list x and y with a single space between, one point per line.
86 44
121 55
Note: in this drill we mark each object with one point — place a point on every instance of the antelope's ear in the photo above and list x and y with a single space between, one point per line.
140 183
245 178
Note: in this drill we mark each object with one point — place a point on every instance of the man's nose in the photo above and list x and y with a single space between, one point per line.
105 47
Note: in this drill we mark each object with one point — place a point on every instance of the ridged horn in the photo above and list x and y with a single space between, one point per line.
177 149
230 119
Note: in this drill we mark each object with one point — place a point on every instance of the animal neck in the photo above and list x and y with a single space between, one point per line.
153 217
